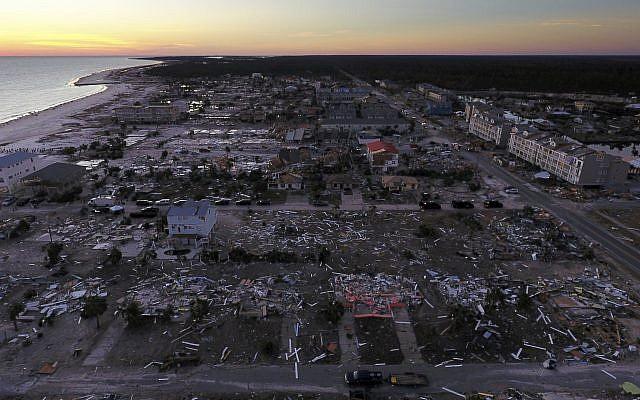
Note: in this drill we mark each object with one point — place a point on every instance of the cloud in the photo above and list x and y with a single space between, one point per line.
570 22
314 35
79 41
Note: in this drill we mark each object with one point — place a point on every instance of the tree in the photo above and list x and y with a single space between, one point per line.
524 301
14 311
495 299
114 257
324 255
427 231
94 307
334 312
53 252
133 314
199 308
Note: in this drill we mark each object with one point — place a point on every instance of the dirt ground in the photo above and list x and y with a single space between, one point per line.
452 244
377 341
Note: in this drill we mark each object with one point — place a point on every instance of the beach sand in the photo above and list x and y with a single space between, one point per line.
51 120
25 132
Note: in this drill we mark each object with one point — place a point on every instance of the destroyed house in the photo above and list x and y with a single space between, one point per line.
192 222
55 178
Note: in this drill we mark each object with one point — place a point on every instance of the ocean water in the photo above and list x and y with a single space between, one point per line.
29 84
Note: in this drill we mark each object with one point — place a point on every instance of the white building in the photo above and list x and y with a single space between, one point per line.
488 123
150 114
192 222
14 167
568 159
382 156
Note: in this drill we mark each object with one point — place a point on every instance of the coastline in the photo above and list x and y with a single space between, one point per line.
38 124
36 112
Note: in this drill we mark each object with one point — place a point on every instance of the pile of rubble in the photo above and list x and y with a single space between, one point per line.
582 316
60 298
537 238
375 295
250 297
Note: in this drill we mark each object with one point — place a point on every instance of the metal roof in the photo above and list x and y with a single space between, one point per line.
14 158
190 209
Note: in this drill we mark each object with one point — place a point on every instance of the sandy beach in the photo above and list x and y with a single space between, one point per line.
25 132
51 120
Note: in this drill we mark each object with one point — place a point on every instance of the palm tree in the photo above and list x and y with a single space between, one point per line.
94 307
133 314
114 257
14 312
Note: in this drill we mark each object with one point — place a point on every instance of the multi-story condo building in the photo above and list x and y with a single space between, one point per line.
340 94
14 167
369 114
438 101
487 123
584 106
150 114
567 159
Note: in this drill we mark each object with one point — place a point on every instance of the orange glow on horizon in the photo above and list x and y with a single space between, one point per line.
277 27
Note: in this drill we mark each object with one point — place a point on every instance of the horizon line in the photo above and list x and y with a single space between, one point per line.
340 55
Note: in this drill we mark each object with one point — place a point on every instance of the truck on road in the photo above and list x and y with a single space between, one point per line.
102 202
408 379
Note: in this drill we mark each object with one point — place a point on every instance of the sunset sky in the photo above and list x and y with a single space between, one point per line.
274 27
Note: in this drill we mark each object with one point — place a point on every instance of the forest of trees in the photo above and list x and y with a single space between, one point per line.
605 74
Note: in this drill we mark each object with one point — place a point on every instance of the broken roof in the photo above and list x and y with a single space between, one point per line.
381 146
57 173
14 158
190 209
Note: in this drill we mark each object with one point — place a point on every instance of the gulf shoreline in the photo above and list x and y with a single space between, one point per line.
38 124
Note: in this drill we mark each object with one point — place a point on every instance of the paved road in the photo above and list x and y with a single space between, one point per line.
624 254
327 379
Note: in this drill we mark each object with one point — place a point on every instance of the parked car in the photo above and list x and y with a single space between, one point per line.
103 201
222 202
492 204
35 202
511 190
408 379
144 203
462 204
23 201
263 202
363 377
179 202
8 201
430 205
162 202
147 212
358 395
243 202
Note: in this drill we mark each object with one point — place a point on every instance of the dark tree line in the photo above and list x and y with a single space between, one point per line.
595 74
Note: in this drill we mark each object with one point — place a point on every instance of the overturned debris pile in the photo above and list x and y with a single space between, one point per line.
536 235
250 297
59 298
375 295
